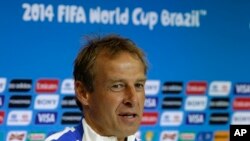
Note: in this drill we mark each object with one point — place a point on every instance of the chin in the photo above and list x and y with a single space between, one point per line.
130 130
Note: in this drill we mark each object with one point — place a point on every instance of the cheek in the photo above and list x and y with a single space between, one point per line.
111 102
141 99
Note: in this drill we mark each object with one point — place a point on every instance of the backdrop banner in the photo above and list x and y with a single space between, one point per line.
198 52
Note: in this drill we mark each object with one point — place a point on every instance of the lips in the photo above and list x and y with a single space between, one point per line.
128 115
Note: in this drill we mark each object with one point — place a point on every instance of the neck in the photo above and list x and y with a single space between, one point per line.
88 122
122 139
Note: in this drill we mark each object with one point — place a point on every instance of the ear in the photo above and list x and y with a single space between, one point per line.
82 94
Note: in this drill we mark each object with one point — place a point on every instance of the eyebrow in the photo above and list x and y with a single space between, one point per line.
123 80
143 79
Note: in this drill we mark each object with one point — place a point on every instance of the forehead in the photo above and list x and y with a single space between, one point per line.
118 56
122 62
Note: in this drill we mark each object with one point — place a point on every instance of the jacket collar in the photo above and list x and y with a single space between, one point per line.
86 133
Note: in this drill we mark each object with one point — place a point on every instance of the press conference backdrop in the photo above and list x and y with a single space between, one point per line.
198 81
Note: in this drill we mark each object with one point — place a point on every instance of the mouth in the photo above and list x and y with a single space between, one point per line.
128 115
129 119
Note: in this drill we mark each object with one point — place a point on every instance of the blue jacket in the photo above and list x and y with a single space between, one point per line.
73 134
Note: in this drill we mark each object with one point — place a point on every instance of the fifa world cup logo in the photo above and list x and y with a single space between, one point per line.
149 136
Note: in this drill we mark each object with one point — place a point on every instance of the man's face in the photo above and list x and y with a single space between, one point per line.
117 102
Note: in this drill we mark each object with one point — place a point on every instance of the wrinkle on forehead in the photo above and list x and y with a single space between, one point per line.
123 67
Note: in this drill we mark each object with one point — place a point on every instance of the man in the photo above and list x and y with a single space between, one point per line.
110 74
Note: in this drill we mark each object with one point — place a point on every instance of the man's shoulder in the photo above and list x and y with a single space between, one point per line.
68 134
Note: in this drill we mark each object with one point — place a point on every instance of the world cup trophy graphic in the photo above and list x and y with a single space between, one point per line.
149 136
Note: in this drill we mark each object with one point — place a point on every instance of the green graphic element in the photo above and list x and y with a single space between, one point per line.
36 136
187 136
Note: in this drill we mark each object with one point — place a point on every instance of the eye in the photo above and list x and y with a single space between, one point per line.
117 87
139 86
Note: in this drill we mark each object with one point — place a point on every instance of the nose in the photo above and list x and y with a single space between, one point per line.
130 97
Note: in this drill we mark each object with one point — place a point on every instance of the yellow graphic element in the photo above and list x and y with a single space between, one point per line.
149 136
221 136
